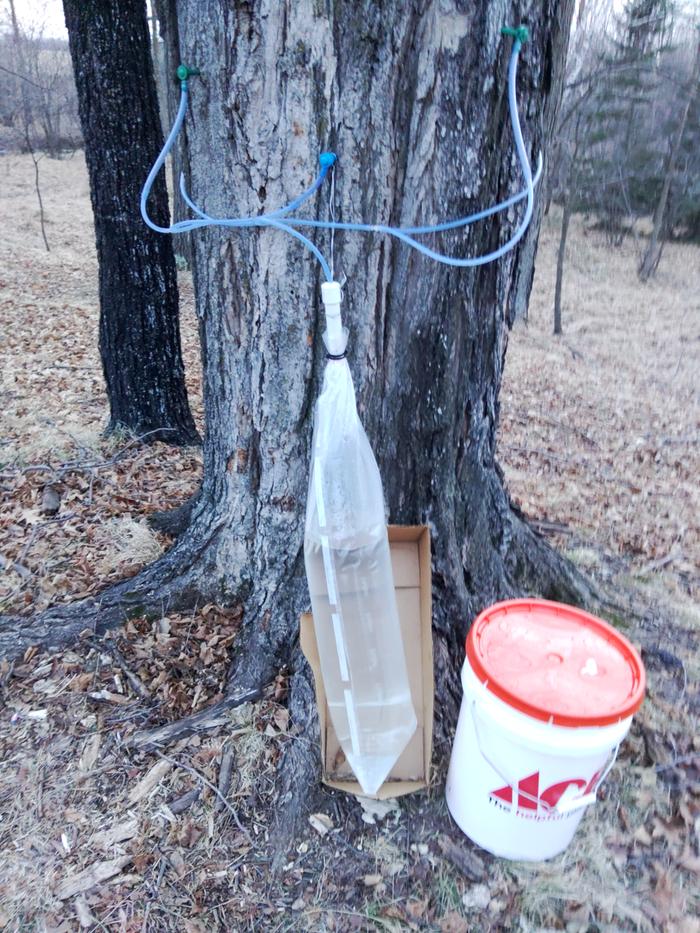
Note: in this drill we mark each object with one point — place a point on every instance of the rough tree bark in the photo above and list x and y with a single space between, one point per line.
412 98
139 324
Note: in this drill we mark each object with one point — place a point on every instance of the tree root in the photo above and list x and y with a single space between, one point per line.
256 660
537 568
300 767
162 586
174 522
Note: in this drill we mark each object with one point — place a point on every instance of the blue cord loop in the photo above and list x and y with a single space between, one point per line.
280 219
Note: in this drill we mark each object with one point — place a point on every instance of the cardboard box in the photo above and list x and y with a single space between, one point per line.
410 559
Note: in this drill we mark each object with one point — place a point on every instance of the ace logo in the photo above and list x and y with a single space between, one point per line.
531 799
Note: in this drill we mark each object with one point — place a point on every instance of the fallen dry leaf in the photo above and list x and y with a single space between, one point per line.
85 917
188 833
453 923
321 822
417 908
373 810
690 863
477 897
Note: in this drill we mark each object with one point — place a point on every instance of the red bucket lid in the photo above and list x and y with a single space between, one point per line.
556 663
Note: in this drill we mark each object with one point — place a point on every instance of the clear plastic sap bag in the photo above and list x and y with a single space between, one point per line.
348 567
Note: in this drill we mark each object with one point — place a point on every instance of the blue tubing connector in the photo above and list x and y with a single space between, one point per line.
328 159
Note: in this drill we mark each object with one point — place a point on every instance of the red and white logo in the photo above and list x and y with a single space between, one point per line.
532 801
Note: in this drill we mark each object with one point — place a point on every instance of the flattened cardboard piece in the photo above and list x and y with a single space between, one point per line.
410 561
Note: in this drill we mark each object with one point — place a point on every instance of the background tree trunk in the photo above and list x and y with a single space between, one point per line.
652 254
171 58
27 117
561 258
139 327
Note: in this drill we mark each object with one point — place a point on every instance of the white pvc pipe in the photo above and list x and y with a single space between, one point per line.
335 337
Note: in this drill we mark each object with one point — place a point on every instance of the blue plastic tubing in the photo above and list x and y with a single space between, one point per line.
281 220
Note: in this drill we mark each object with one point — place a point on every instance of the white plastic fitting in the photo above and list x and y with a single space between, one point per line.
335 336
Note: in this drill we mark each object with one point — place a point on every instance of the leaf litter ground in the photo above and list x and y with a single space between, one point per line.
599 443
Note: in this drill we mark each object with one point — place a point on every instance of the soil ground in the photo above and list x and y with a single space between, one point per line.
599 443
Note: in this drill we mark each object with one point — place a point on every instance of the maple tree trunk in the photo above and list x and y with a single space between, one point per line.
139 323
413 99
414 102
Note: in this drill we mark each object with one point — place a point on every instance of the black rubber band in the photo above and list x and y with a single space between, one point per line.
336 356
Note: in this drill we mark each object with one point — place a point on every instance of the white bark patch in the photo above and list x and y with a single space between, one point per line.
450 29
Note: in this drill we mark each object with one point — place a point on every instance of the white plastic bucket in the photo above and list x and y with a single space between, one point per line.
517 785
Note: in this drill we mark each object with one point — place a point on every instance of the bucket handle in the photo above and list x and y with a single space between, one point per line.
567 803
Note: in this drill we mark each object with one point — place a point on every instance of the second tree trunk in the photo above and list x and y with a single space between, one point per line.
139 324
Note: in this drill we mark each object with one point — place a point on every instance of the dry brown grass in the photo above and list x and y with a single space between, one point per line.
126 544
600 428
599 442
